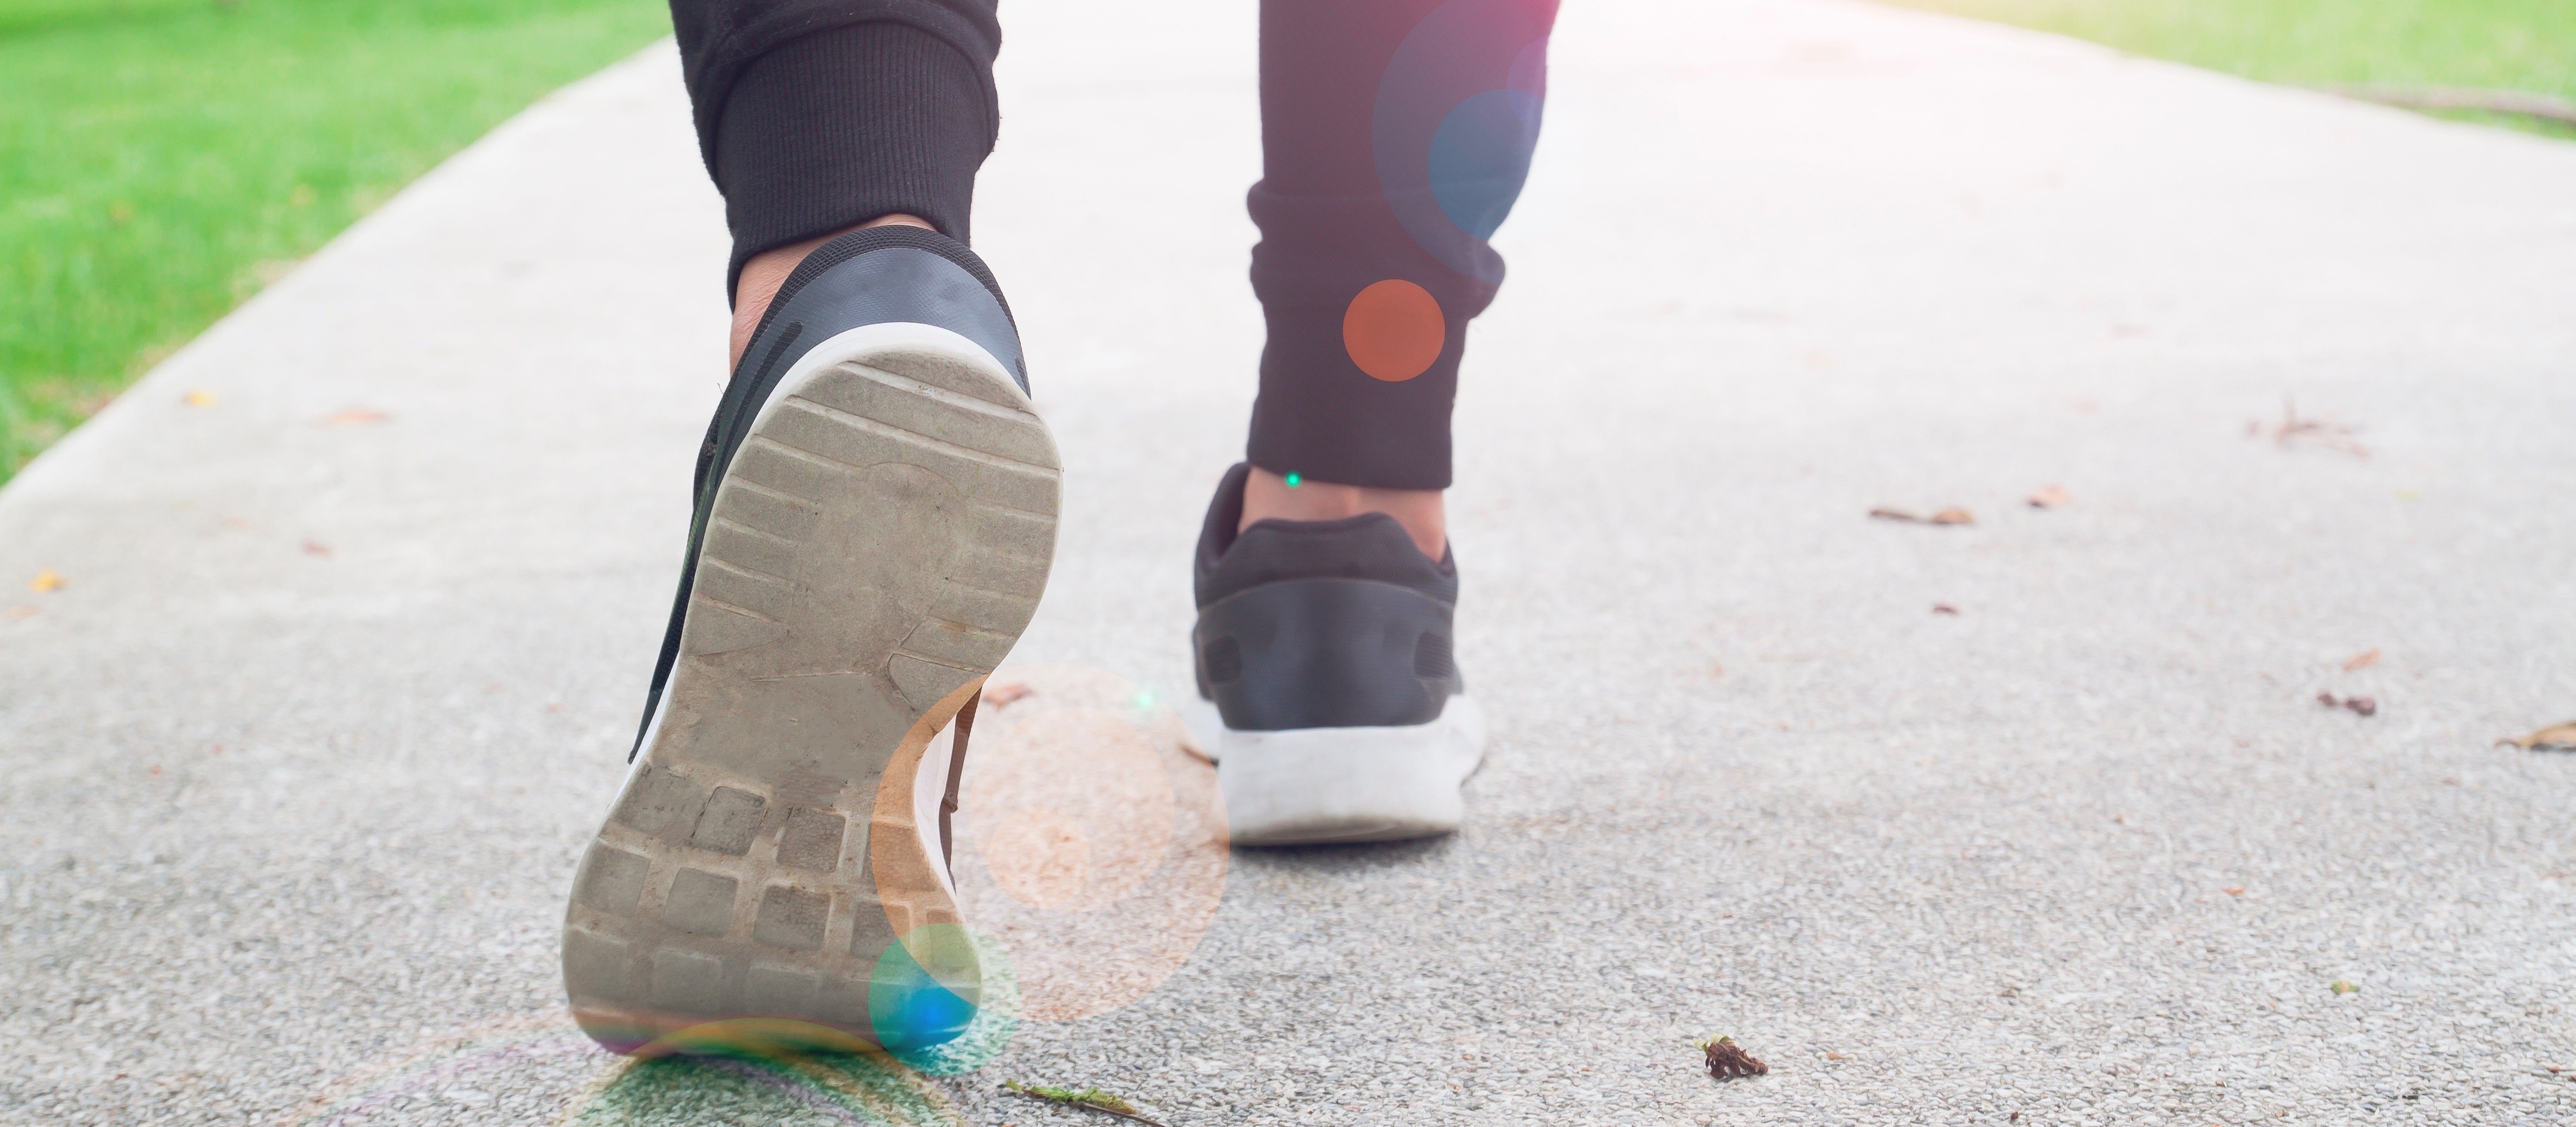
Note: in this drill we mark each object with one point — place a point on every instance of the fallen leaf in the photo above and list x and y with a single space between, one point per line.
2053 497
2366 706
1833 1056
1953 516
2362 660
46 580
1944 608
1728 1060
316 548
2342 987
354 418
19 613
1000 696
2556 737
2238 890
199 399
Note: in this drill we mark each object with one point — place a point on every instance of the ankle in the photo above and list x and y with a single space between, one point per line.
1269 496
763 273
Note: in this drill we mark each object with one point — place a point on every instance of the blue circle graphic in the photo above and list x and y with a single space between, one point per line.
1481 155
1455 123
909 1004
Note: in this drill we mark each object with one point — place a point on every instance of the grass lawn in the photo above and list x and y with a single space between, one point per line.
2526 45
161 159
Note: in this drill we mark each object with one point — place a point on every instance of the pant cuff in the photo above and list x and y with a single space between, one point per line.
1321 416
847 124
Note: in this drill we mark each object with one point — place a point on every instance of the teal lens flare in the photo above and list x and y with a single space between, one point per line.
913 1006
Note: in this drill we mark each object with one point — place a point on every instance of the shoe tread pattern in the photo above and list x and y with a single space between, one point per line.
878 544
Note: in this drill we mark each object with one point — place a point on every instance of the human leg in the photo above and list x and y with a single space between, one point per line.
1396 135
874 523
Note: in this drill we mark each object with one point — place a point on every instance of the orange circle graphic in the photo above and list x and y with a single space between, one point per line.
1393 330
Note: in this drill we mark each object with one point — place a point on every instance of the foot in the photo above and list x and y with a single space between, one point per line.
1270 496
1328 694
875 520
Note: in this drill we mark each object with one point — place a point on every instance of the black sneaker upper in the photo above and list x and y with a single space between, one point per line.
1320 624
875 276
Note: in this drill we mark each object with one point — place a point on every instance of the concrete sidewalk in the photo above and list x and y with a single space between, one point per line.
344 663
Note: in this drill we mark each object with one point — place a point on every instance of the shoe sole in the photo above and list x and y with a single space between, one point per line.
1316 786
774 859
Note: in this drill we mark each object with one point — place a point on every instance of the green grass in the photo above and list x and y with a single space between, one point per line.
2526 45
160 160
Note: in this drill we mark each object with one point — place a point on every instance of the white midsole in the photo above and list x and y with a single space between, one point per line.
1343 784
848 344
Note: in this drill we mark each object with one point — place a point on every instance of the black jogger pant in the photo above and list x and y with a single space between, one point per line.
1395 137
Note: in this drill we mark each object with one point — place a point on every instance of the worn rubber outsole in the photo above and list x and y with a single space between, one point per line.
774 860
1316 786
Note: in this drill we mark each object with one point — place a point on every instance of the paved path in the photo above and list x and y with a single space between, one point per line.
299 756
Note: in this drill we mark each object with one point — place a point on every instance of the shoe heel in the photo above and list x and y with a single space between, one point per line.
1326 653
773 868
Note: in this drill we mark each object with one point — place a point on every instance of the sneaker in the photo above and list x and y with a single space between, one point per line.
1328 695
876 510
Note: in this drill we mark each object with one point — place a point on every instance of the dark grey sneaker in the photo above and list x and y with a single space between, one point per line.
876 508
1329 696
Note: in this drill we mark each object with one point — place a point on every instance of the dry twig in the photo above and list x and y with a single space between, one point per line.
1091 1098
2293 429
